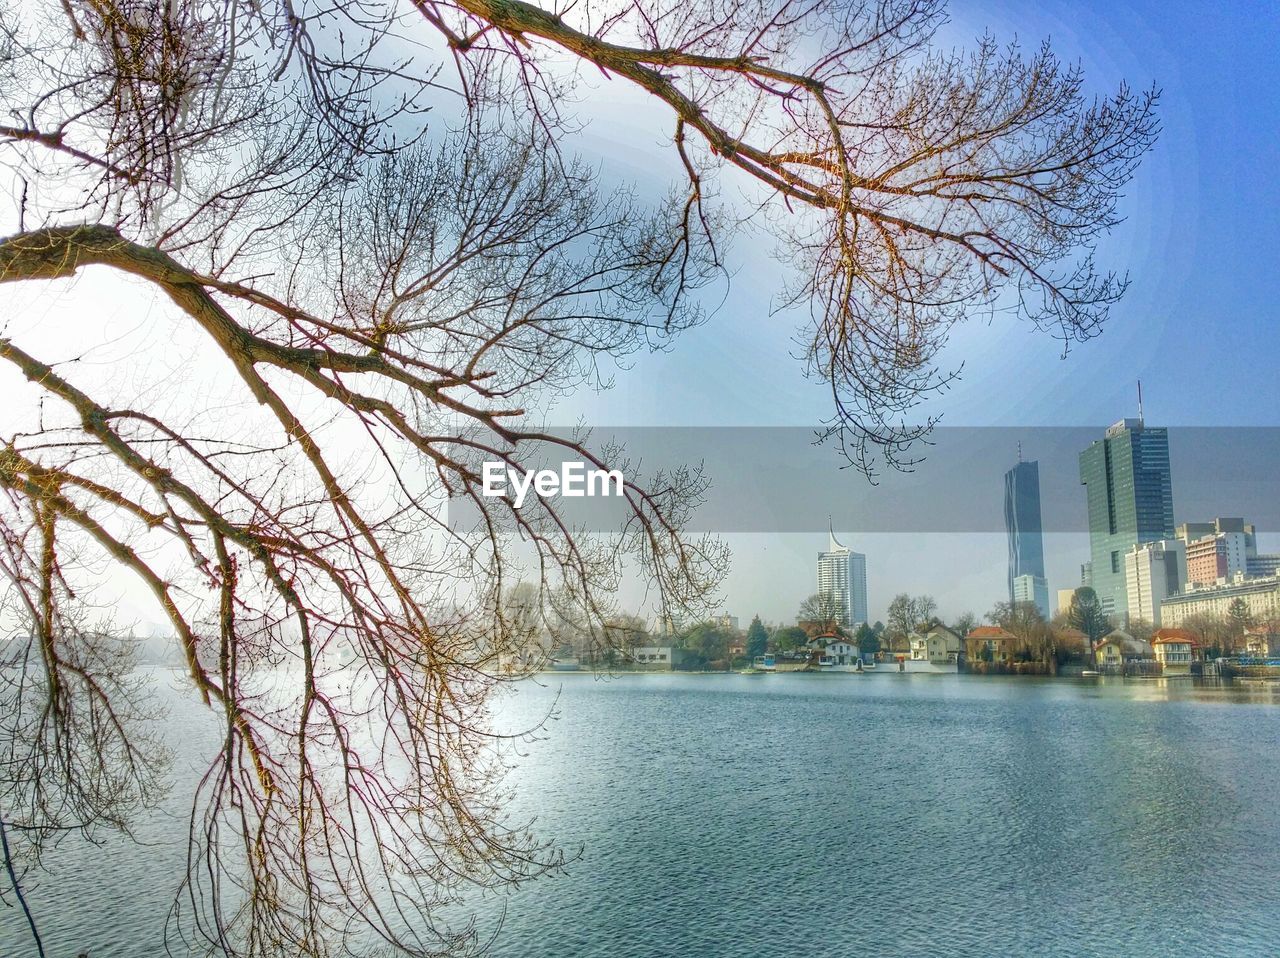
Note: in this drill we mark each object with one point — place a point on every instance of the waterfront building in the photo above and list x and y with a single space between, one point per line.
1129 491
1175 650
1118 650
1261 597
657 657
1263 640
842 574
939 645
1072 641
1023 527
989 643
1153 571
843 651
1034 589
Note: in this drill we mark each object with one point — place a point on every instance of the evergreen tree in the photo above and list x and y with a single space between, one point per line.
1086 614
757 638
1239 617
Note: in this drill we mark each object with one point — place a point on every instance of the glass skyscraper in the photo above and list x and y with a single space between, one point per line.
1129 489
1026 536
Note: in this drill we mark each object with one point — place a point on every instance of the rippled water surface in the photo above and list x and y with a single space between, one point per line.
876 815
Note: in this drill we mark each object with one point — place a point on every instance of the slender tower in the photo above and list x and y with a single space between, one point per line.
1022 523
842 573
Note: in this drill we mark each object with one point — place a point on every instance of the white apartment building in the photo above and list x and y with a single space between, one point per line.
1153 571
843 574
1261 597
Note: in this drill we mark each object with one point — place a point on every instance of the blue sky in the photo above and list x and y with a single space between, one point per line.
1201 240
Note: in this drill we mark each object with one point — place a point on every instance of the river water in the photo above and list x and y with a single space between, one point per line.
838 815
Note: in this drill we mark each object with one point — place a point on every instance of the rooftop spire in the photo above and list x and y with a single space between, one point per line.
835 543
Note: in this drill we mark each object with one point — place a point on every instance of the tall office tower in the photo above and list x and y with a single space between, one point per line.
1034 589
1026 534
1130 496
1153 571
843 574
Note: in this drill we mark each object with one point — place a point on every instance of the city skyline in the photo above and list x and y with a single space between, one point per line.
1198 248
1130 511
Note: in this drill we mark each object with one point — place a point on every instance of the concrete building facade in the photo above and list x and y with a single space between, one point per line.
842 573
1261 597
1153 571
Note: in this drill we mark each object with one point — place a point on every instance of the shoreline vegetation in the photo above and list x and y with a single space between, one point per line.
1014 638
1017 670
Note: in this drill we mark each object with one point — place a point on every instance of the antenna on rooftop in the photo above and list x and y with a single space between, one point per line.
1140 400
1019 450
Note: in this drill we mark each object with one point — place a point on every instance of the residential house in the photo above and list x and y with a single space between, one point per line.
1175 650
938 645
1118 651
1263 641
1071 641
842 651
989 643
818 643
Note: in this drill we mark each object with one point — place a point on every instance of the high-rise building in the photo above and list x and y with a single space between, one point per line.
725 621
1262 566
1032 588
1153 571
843 574
1215 557
1024 529
1220 549
1224 549
1129 489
